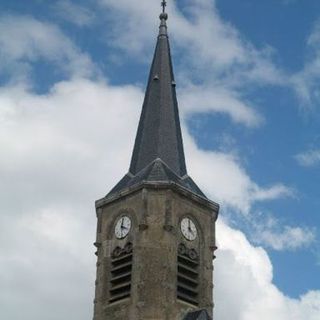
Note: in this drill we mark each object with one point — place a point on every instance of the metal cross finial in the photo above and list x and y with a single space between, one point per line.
163 5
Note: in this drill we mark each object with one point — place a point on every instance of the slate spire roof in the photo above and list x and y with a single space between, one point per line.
158 154
159 133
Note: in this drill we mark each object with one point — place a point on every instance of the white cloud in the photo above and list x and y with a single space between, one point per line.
127 17
25 41
269 232
60 151
42 134
210 43
74 13
213 51
309 159
45 264
223 178
274 192
244 288
289 238
220 100
306 82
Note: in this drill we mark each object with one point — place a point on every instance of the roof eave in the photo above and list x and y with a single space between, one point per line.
159 185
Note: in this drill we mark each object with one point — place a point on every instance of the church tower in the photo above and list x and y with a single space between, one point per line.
156 229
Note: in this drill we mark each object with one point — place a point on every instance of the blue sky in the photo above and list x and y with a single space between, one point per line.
73 73
290 126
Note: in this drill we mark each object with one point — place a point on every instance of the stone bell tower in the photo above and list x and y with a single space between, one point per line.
156 229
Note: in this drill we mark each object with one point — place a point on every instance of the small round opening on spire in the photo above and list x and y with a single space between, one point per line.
163 16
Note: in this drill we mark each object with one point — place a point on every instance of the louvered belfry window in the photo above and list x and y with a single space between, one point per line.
121 269
187 275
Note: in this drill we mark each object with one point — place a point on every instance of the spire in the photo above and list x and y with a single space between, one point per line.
158 155
159 132
163 5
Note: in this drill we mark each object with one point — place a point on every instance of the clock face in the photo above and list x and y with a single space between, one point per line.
122 227
188 229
